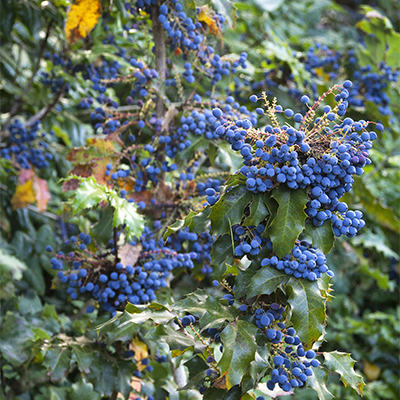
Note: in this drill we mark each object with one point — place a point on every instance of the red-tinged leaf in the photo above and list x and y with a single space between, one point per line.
42 193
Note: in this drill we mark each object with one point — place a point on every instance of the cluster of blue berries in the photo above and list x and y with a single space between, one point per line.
304 262
110 284
292 364
321 155
26 145
371 86
250 240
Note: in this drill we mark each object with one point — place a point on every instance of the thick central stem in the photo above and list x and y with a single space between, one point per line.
160 55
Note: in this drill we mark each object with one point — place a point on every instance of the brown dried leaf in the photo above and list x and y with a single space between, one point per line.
129 254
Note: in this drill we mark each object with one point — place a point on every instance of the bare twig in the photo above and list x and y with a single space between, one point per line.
45 110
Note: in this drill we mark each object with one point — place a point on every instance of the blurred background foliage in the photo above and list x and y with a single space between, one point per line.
276 34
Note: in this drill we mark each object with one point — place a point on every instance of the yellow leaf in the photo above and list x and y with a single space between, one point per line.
140 349
104 145
205 15
23 195
81 19
372 371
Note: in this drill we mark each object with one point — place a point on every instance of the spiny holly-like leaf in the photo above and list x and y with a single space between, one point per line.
197 372
193 303
81 19
221 254
57 361
88 195
343 364
317 381
243 279
308 309
83 357
322 237
239 351
265 281
258 210
126 213
235 393
289 221
229 209
209 310
176 340
216 313
235 180
82 390
196 221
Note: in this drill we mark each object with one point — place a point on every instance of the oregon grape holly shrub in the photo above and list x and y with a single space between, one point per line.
194 171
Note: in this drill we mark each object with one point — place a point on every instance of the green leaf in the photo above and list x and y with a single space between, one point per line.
83 357
216 313
244 278
317 381
102 231
392 55
11 268
381 213
193 303
213 393
126 213
343 364
229 209
57 361
176 340
270 5
322 237
196 221
124 377
235 180
308 310
266 281
258 210
197 372
83 390
89 195
239 351
209 310
289 221
221 254
16 332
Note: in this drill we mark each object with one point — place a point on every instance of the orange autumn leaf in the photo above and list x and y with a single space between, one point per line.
42 193
205 15
99 171
81 19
